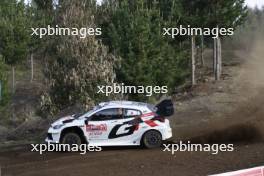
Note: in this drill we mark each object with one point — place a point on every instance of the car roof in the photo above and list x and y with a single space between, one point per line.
124 104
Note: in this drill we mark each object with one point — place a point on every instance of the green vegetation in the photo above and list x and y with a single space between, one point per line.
131 50
14 36
76 66
4 94
134 32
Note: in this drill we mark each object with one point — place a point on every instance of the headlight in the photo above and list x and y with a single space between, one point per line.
58 126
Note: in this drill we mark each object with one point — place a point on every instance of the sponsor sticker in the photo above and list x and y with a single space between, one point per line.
96 130
101 127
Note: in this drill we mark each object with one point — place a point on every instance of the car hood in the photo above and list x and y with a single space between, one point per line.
63 120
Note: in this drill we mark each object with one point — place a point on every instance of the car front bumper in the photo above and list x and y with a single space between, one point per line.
53 136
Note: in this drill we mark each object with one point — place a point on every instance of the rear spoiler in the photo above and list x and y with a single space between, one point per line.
165 108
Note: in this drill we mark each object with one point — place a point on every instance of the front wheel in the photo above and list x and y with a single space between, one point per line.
152 139
71 138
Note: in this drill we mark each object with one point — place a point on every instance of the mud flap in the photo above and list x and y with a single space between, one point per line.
165 108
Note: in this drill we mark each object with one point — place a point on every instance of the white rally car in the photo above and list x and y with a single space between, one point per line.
116 123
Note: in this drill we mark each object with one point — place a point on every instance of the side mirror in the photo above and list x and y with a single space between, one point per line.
86 121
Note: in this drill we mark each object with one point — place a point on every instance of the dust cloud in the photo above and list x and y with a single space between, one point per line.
245 124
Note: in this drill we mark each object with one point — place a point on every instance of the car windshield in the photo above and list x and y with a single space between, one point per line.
86 114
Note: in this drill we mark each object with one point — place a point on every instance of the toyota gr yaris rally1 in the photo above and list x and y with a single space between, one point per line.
115 123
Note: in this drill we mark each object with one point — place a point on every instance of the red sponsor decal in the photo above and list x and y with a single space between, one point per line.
148 114
151 123
101 127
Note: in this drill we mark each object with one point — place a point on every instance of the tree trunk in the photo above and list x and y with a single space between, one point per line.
220 56
32 67
193 60
217 59
202 50
13 79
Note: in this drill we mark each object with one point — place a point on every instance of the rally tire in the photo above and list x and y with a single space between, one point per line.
71 138
152 139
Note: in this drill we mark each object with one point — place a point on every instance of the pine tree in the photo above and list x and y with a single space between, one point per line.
134 32
14 37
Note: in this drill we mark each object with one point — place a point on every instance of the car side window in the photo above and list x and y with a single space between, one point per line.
129 113
108 114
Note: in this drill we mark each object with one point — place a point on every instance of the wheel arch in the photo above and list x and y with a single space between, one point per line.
74 129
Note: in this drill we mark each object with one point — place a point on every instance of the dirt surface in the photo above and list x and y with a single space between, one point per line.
230 111
123 161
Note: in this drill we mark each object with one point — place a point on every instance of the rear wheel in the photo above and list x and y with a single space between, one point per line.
152 139
71 138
